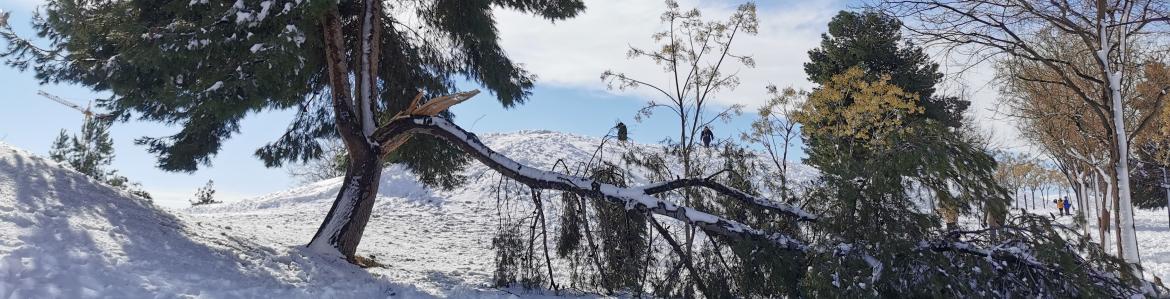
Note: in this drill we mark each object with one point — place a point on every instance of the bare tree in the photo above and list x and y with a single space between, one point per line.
999 28
331 164
774 130
693 53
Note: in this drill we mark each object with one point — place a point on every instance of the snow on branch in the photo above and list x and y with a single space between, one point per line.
1002 255
632 198
660 187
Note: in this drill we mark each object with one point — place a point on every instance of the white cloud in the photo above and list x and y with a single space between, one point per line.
574 53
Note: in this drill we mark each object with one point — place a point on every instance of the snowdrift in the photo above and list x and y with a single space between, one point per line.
63 235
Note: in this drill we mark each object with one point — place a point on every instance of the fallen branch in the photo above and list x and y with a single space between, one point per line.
998 254
632 198
683 257
656 188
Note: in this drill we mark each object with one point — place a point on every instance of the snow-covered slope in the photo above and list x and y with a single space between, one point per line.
440 241
63 235
541 148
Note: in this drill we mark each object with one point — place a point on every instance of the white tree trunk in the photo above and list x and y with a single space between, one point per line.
1129 247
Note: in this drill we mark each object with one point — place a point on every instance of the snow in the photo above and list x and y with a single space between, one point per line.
438 241
63 235
216 86
264 6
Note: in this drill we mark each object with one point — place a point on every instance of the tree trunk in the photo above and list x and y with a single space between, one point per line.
1083 209
1033 193
1044 196
342 229
1127 247
343 226
1102 212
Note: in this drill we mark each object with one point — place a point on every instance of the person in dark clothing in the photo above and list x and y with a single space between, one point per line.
707 136
1067 206
622 135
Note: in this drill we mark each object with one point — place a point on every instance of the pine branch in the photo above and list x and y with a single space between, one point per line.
632 198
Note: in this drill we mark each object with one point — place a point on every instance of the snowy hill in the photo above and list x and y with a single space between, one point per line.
541 149
439 241
63 235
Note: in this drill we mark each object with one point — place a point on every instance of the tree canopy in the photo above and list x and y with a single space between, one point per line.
206 65
873 41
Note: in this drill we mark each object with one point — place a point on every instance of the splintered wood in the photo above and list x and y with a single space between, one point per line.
430 108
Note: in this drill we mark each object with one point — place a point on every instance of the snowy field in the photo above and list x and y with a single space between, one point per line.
65 236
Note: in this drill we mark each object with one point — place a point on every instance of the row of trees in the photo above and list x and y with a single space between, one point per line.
1025 176
1083 75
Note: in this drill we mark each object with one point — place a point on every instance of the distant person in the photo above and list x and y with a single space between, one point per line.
622 134
707 136
1067 206
1059 206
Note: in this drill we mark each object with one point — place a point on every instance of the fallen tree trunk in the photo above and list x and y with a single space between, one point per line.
401 127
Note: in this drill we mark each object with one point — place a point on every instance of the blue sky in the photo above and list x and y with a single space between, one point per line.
567 57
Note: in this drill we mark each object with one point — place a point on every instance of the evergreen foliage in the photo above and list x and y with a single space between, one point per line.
870 129
205 195
873 42
91 153
623 234
205 65
1148 173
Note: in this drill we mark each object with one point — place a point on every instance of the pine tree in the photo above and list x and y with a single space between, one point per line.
205 195
877 91
1149 175
60 150
206 65
91 154
873 42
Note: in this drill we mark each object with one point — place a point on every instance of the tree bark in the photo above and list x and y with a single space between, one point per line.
341 232
343 226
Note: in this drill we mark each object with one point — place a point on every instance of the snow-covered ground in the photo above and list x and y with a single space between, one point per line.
438 241
65 236
1153 233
